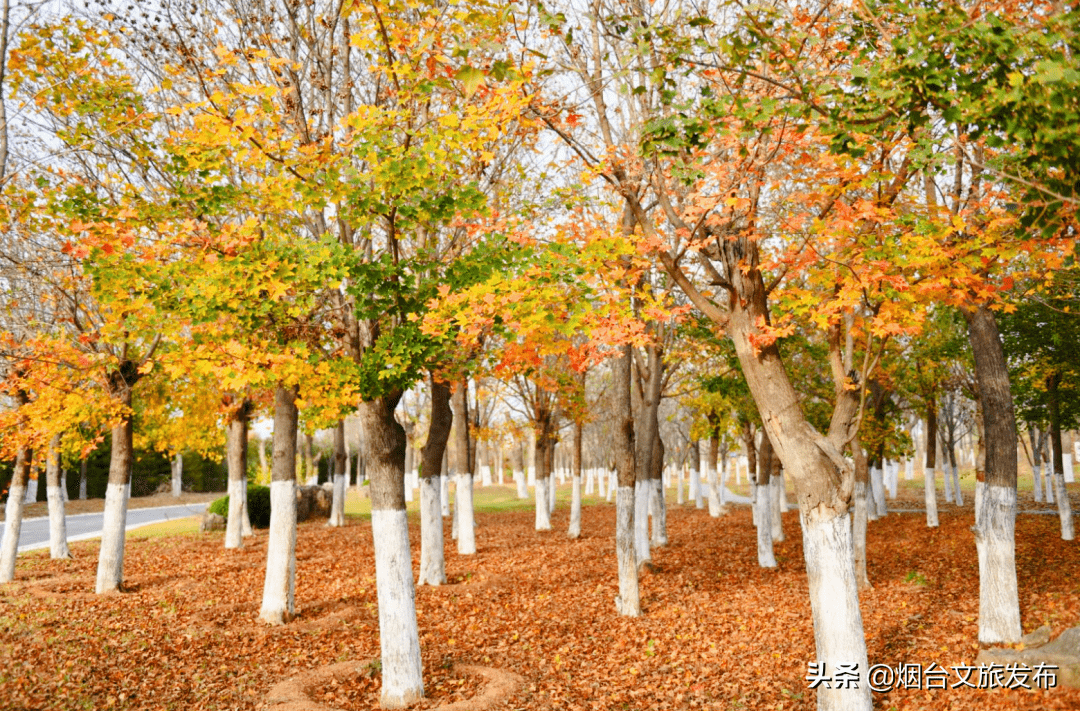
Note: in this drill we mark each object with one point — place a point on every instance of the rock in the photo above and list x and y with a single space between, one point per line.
1037 638
212 522
313 502
1063 652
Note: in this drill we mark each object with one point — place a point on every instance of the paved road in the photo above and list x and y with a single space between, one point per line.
35 531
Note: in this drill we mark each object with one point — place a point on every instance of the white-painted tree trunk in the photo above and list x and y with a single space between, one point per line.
279 586
834 600
177 475
948 485
1067 462
399 636
695 484
1064 507
444 494
466 539
680 498
9 547
543 510
658 512
957 494
110 570
878 483
763 505
522 485
775 485
234 537
1037 488
995 542
551 494
627 602
714 492
432 562
54 492
930 497
859 534
574 530
31 492
612 485
337 502
723 479
245 515
641 522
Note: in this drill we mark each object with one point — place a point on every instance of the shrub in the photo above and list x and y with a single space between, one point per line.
258 498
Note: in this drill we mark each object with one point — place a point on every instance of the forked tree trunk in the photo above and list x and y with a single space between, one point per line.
58 545
110 569
930 467
432 557
236 436
341 466
574 530
463 494
995 527
399 637
279 586
13 513
823 481
627 603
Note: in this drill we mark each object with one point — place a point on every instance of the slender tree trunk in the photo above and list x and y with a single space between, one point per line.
859 539
517 456
711 477
463 498
341 466
627 603
279 586
575 501
764 504
1063 502
399 637
58 545
432 557
177 475
658 508
995 526
930 468
236 436
1036 463
82 479
13 513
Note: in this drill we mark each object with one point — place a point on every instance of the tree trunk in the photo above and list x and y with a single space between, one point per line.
930 467
432 557
542 489
399 637
1064 505
463 498
764 504
341 466
13 513
82 479
711 475
517 456
627 603
859 537
995 523
658 506
236 435
575 501
279 586
110 570
1036 463
58 545
177 475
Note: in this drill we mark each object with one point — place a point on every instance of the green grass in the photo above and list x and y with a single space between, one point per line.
486 499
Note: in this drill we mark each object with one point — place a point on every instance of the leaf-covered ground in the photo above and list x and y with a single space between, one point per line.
717 633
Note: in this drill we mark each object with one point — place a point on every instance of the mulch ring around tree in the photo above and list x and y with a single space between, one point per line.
717 631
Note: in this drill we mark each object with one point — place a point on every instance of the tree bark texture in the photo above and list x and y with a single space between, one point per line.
432 557
58 545
279 586
236 432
